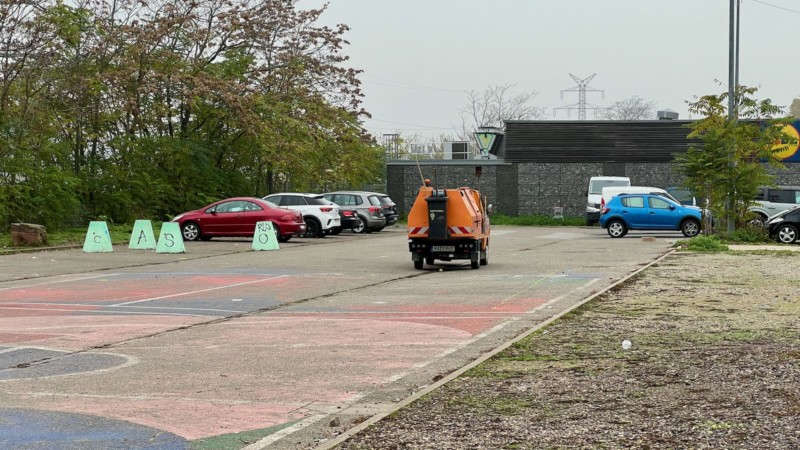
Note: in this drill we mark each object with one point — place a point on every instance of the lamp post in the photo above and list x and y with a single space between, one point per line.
733 80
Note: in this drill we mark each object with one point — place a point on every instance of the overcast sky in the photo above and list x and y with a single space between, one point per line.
419 56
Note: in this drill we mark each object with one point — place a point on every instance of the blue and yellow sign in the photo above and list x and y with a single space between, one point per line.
787 152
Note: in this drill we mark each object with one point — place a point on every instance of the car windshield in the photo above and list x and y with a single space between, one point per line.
667 195
596 186
682 195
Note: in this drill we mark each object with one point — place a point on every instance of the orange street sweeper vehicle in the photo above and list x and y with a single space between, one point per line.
448 224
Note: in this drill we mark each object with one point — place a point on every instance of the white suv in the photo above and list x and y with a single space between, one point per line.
320 216
771 201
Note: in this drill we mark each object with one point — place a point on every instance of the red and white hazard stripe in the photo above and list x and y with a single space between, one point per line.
455 231
417 230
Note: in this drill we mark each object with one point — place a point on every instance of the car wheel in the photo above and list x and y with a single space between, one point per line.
787 234
475 260
690 228
361 226
485 257
617 229
759 221
190 231
313 227
429 261
418 264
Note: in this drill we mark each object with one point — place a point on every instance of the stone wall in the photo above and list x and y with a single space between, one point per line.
535 188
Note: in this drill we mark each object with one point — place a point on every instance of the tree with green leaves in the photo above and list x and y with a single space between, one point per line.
146 108
794 108
731 157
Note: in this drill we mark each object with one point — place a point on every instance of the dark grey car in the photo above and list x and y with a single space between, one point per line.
367 205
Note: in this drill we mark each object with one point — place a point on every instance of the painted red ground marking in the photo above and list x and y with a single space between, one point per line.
14 338
81 332
122 288
35 309
471 318
245 374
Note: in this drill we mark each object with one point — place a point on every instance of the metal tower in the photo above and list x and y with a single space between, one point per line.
582 88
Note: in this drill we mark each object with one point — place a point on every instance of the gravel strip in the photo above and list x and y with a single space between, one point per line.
714 362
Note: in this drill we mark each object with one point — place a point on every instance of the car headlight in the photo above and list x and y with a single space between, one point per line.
775 220
178 217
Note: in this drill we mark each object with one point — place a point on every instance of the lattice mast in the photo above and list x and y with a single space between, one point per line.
582 88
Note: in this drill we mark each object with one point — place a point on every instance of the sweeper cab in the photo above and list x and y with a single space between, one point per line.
448 224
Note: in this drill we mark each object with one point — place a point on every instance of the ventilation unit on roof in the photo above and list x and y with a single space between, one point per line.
667 115
456 150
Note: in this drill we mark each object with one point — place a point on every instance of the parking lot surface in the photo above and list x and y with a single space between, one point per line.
226 347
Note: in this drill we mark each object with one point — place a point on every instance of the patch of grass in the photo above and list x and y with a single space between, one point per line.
788 253
120 234
507 406
537 220
484 371
703 243
714 425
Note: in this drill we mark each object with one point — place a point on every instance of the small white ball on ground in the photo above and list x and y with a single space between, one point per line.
626 344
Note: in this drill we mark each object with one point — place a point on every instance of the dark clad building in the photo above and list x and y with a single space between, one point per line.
545 164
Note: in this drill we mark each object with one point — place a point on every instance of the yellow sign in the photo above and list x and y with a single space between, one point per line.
784 150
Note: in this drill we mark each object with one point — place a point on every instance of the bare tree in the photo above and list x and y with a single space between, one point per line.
794 108
491 107
632 108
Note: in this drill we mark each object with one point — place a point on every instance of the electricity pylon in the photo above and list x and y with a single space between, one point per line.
582 88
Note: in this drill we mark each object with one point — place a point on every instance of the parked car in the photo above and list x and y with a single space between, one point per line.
648 212
320 216
388 208
784 226
771 201
348 217
594 193
238 217
685 196
368 208
610 192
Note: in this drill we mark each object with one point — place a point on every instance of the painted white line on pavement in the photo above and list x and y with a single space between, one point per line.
84 278
97 305
216 288
95 311
130 360
274 437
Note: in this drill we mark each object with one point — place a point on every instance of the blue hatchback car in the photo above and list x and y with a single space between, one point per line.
648 212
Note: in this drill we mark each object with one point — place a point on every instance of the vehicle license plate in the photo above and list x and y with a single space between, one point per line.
443 248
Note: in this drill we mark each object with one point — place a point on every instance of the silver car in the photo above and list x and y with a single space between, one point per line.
367 205
771 201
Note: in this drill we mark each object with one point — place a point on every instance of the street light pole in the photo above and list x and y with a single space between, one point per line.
733 64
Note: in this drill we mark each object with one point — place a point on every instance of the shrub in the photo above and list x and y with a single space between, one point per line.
747 234
704 243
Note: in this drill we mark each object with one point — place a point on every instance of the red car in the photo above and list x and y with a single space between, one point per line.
237 217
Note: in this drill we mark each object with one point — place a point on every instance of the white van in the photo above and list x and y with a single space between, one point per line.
613 191
594 195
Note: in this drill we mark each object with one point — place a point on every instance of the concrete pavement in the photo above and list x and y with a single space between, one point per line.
223 344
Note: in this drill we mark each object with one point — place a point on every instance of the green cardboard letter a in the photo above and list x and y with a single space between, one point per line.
142 237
